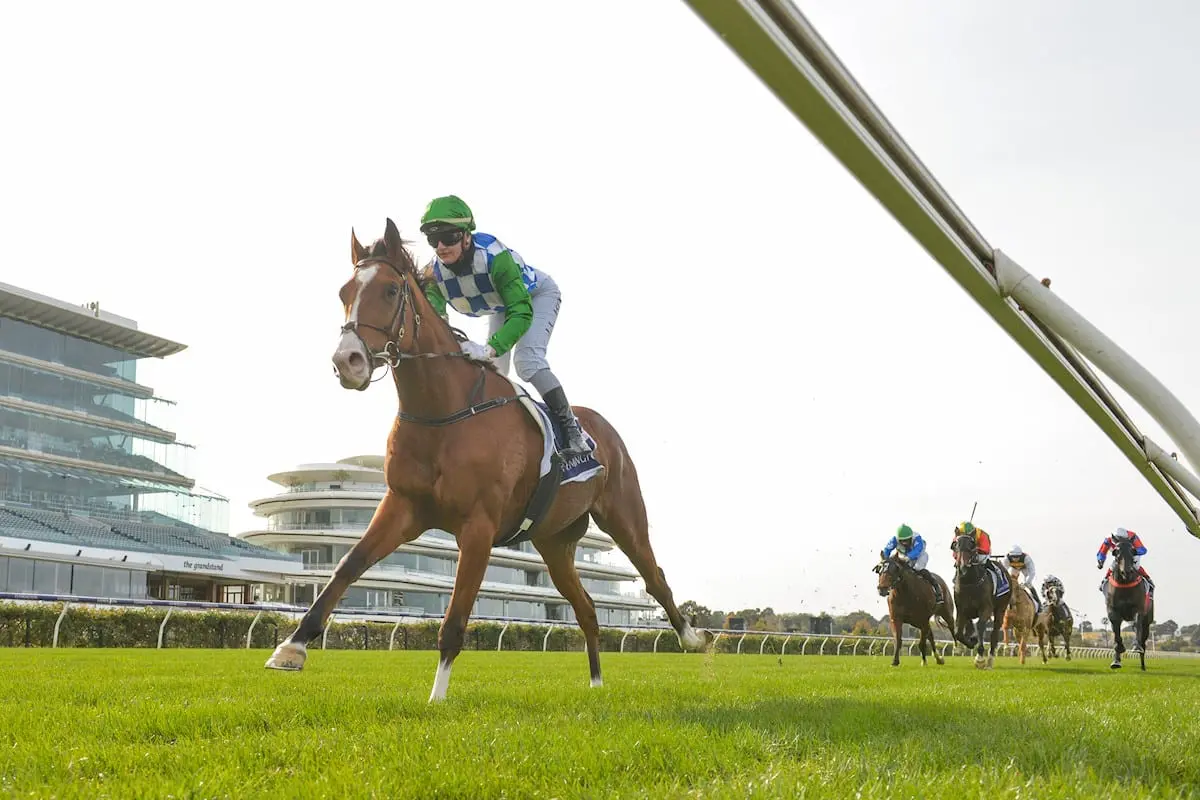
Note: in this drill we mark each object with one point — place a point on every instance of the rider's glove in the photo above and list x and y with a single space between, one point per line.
478 352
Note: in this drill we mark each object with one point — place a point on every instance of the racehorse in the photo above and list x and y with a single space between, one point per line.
1057 624
911 600
1127 597
1022 618
975 599
463 456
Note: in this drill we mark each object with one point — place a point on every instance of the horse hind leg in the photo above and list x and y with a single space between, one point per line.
621 513
558 552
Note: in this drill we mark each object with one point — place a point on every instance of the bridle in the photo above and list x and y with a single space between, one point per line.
391 355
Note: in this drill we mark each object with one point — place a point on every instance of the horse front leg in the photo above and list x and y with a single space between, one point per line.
1119 648
1143 637
392 525
475 539
980 625
897 628
995 641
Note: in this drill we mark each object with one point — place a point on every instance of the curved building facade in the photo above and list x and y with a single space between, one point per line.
323 510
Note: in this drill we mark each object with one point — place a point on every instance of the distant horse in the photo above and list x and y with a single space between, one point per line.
464 456
1056 617
1128 598
911 601
1021 617
975 601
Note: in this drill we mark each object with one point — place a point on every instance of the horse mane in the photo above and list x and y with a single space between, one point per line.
423 276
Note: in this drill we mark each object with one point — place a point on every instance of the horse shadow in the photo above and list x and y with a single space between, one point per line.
935 730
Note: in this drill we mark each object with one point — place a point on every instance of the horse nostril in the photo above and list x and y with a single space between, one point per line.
356 360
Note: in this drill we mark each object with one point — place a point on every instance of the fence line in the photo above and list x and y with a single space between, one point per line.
823 644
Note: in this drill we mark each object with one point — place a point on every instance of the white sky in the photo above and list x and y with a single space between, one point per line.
793 375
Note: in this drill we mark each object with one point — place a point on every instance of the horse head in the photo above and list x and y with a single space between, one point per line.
890 575
384 306
1124 563
965 549
1053 593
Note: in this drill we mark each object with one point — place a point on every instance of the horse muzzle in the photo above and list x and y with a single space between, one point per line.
351 363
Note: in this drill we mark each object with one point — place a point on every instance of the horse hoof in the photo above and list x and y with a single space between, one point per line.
1068 656
1115 665
597 682
941 662
693 641
289 656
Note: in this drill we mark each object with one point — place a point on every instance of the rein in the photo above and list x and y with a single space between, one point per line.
392 355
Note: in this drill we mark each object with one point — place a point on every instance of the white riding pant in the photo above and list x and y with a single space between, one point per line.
529 354
920 562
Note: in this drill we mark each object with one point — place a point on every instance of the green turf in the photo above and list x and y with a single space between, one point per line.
204 723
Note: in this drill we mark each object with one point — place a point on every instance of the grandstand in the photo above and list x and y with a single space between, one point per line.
95 499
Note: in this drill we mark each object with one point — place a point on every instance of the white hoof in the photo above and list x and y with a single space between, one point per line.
597 682
441 682
288 656
990 662
690 640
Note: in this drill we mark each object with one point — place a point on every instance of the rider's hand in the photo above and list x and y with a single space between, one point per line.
478 352
1099 565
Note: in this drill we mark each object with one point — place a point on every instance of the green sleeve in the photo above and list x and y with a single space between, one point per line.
518 307
433 293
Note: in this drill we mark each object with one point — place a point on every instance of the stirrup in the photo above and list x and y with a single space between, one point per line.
569 449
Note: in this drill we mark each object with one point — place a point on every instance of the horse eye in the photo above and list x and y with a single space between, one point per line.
392 291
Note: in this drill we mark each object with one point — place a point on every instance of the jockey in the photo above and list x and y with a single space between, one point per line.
1021 563
1139 550
479 276
911 548
983 542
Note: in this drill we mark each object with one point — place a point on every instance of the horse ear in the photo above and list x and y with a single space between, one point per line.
357 251
391 237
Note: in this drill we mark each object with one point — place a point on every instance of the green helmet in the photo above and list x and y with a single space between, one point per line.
447 213
904 532
965 528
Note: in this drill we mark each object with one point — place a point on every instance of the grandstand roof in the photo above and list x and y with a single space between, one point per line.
94 325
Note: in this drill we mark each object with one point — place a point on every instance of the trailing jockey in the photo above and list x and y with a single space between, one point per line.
1058 608
479 276
1139 550
1022 563
911 548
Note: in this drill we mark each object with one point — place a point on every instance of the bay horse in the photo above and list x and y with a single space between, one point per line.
975 599
911 600
1022 619
1127 597
463 455
1056 617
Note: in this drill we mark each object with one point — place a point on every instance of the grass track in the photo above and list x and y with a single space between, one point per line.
204 723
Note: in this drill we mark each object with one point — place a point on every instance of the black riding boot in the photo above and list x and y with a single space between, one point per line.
1037 601
937 590
576 444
